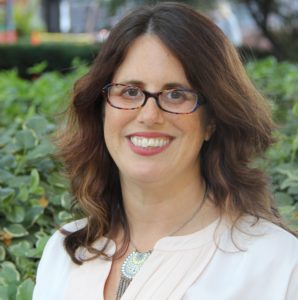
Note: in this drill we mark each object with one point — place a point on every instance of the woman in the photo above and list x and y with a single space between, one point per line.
158 149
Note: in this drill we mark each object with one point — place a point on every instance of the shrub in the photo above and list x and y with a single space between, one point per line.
279 83
34 198
59 56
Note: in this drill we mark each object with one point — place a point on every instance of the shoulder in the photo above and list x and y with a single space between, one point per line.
55 264
57 239
75 225
54 248
261 241
253 260
262 233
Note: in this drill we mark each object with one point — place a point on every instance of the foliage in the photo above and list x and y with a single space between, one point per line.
26 18
34 198
59 56
279 82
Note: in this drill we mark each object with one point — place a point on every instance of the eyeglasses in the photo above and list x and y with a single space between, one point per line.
175 101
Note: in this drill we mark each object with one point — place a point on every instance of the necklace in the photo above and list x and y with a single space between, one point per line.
135 260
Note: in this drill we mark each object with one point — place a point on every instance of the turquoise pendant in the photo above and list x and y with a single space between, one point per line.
133 263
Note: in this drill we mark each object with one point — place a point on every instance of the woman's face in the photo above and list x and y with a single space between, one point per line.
148 144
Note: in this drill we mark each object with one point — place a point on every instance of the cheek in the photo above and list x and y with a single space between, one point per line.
115 122
111 119
194 132
111 134
201 125
193 125
108 126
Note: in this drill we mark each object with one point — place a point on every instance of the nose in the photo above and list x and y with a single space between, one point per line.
150 113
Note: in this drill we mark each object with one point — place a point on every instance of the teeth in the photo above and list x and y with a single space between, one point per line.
149 142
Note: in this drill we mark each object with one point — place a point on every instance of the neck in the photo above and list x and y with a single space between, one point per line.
161 209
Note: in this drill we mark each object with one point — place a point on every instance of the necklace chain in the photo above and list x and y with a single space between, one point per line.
182 225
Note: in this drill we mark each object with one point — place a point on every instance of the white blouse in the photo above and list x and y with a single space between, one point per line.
253 262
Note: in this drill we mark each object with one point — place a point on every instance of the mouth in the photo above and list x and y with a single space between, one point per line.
149 142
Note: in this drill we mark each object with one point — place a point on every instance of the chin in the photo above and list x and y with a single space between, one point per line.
144 174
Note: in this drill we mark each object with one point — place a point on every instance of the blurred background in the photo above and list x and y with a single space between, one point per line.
46 45
257 27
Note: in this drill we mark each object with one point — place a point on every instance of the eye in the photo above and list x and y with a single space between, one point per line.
176 95
131 92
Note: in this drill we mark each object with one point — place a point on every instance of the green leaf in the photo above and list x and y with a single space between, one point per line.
15 214
9 272
26 265
34 180
46 166
6 195
7 161
23 193
13 147
16 230
5 177
286 210
2 253
283 199
26 139
64 216
19 248
66 201
42 150
295 109
21 180
5 137
25 290
3 291
42 239
38 68
288 183
55 179
38 124
293 190
32 215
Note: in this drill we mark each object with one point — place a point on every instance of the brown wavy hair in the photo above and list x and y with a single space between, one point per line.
241 115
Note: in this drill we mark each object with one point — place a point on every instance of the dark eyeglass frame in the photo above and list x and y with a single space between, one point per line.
199 101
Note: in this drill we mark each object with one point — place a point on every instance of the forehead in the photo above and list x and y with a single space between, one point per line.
149 61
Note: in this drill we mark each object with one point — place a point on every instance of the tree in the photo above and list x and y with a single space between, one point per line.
278 22
202 4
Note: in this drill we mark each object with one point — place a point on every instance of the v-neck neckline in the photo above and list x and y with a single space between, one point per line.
197 249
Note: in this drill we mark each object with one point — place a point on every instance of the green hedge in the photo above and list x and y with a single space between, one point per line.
57 55
34 198
278 82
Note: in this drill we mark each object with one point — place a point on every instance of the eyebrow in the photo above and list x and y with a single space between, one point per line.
170 85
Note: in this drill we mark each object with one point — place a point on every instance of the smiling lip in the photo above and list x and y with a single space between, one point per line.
149 143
